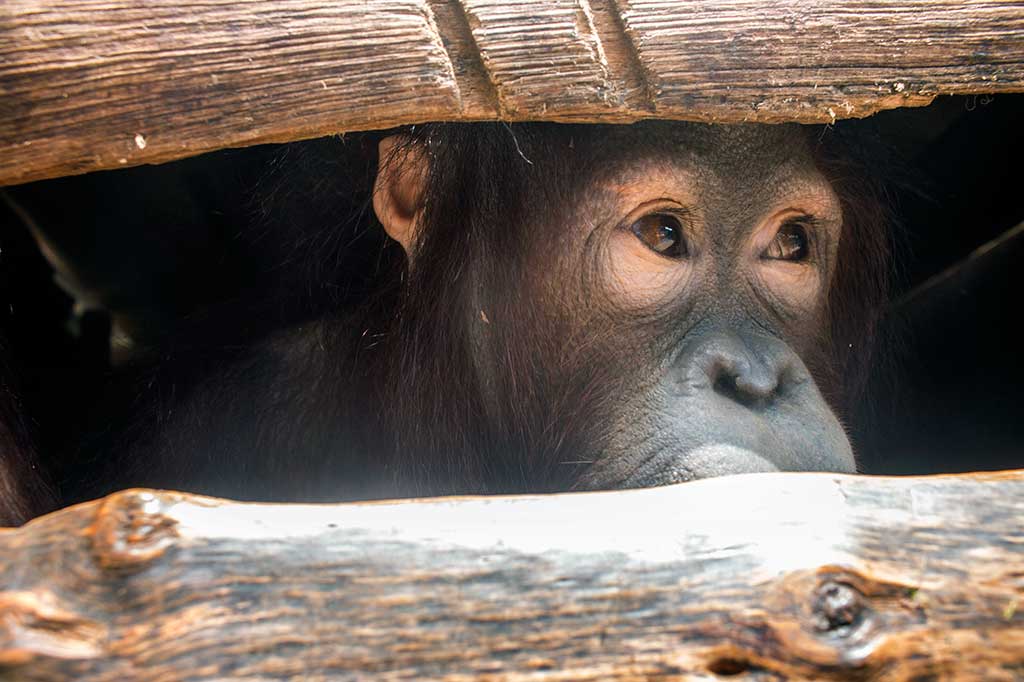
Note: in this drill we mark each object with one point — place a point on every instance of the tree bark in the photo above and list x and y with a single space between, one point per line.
97 84
756 577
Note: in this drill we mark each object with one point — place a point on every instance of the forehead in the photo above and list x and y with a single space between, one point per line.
734 162
726 150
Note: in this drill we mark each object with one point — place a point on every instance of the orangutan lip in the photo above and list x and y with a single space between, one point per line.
707 461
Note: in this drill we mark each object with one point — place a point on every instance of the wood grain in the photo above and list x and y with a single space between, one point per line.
820 61
757 577
98 84
90 84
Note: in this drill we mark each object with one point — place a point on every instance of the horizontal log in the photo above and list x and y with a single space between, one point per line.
97 84
757 577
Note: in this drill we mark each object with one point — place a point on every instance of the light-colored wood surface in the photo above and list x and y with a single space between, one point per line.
98 84
756 577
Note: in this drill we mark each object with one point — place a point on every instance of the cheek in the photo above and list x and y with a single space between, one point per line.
636 277
795 288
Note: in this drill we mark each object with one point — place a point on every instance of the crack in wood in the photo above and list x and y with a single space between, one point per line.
475 87
610 29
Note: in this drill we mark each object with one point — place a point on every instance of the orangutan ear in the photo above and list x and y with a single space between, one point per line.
398 190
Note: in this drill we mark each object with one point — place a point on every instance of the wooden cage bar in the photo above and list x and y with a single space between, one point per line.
764 576
96 84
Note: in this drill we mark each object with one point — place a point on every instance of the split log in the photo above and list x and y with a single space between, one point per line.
97 84
756 577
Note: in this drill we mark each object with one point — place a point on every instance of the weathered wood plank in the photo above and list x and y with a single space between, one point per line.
758 577
819 61
95 84
89 84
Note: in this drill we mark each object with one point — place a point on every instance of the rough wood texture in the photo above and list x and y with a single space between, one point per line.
94 84
759 577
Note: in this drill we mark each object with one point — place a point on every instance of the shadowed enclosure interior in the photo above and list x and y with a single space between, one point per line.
132 256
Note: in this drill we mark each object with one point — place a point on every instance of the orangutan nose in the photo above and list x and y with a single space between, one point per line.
752 371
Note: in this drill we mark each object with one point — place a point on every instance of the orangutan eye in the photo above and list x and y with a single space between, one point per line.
791 243
661 233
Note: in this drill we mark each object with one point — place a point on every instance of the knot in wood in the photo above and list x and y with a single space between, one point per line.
34 624
838 607
131 530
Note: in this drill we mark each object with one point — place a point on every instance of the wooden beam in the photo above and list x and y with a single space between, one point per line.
757 577
97 84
